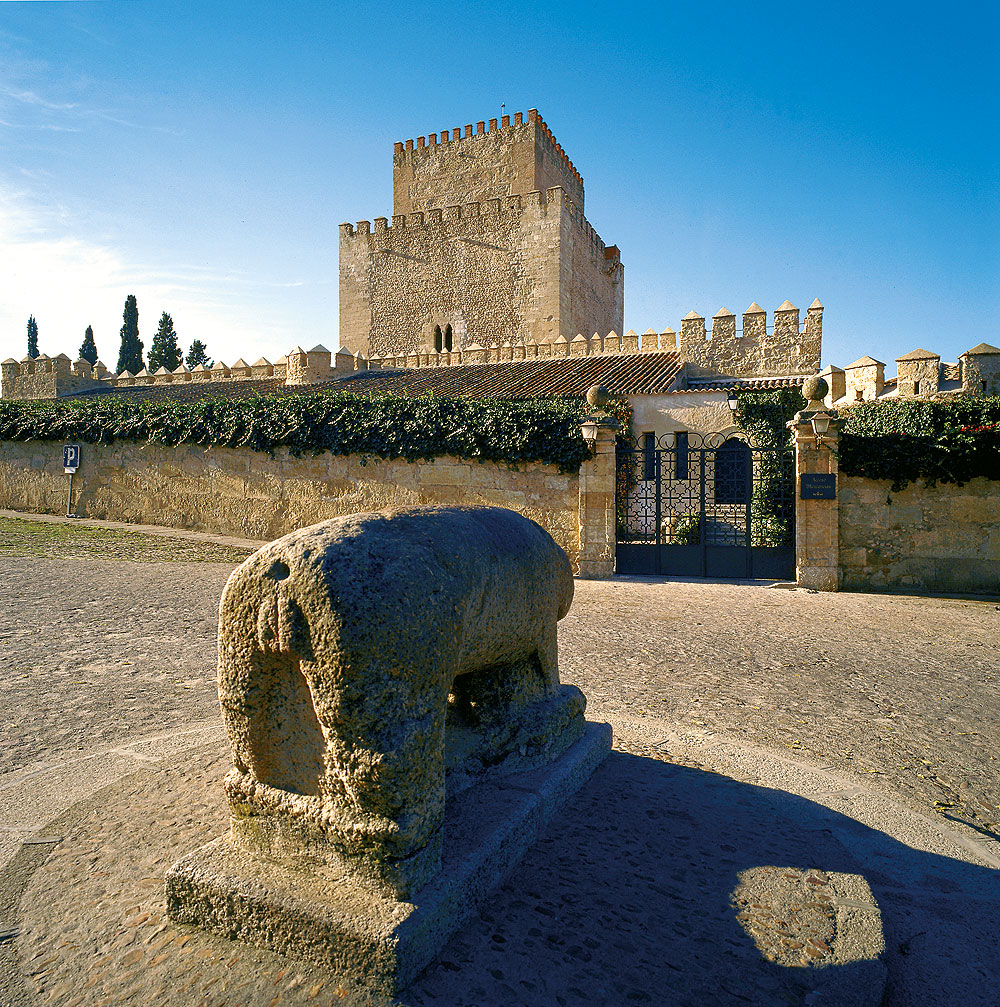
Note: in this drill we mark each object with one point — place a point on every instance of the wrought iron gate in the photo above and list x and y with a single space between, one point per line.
705 507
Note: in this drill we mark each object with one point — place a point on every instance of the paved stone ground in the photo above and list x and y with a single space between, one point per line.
881 707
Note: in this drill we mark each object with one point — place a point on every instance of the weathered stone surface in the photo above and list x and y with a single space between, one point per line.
488 240
235 491
346 647
930 538
370 668
369 938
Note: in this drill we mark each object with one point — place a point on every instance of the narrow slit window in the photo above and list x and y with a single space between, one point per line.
681 461
447 338
649 456
437 338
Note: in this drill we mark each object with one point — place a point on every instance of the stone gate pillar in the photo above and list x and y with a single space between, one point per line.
817 531
597 492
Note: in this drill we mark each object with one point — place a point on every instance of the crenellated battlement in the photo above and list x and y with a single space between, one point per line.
534 202
791 348
488 240
494 160
783 348
739 350
503 126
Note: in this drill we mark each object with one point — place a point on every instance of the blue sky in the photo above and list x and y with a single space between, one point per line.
201 155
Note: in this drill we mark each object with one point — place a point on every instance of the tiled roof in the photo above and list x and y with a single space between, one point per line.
920 355
625 374
742 384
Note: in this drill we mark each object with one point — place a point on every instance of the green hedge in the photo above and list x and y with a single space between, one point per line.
384 426
942 440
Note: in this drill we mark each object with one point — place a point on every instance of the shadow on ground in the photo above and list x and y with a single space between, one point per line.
628 899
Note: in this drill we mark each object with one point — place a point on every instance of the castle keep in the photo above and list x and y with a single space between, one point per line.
488 244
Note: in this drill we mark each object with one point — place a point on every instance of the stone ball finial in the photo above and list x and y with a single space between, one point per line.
815 389
598 396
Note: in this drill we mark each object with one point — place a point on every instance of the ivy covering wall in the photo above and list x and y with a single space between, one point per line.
763 417
940 440
384 426
902 440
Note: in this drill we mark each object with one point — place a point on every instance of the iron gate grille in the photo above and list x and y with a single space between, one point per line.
705 506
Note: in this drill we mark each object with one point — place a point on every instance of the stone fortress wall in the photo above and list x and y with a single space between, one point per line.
236 491
919 374
488 237
926 538
792 349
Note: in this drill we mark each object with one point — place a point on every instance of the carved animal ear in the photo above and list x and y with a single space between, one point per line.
267 624
282 627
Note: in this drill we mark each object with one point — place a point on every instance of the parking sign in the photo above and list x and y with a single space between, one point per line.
71 457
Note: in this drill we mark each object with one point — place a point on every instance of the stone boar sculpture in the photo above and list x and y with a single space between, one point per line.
373 664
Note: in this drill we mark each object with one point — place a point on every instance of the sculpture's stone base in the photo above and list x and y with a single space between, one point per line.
366 939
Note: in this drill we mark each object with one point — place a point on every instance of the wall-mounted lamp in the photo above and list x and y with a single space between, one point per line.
821 425
589 429
734 402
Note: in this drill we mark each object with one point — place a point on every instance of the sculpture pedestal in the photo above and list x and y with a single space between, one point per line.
363 937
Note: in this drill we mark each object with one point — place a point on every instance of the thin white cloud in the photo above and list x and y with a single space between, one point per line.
31 98
71 111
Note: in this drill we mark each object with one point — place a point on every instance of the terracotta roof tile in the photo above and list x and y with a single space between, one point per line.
742 384
626 374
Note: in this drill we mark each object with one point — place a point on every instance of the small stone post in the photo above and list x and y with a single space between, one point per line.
817 530
597 491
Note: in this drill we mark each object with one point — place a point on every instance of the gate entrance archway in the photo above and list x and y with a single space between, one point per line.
705 506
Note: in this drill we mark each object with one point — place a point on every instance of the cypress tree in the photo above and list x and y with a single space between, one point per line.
88 351
198 354
165 352
130 354
32 337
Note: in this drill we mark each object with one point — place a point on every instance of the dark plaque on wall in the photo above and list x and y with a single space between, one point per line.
817 486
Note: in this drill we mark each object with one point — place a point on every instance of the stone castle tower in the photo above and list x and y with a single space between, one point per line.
488 244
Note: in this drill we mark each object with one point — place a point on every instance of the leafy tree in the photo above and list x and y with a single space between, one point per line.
88 351
32 337
165 352
130 354
198 354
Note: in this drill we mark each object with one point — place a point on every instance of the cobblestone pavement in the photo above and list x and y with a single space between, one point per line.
95 653
592 902
898 693
901 691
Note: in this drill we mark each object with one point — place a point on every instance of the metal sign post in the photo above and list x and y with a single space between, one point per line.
71 462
